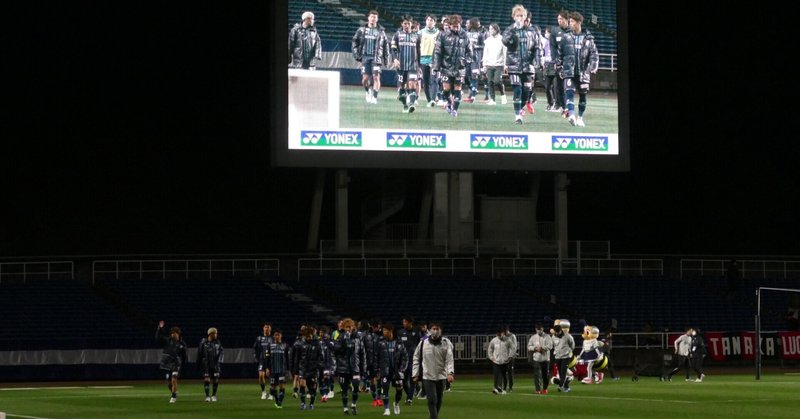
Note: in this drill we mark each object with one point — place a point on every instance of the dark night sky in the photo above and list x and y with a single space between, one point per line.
144 130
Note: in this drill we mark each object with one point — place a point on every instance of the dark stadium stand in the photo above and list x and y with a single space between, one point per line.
338 22
59 314
67 314
237 307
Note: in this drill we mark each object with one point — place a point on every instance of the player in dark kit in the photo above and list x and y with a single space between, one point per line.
347 350
577 69
371 341
520 58
405 52
209 361
452 57
294 360
556 33
310 361
477 36
326 384
371 48
409 336
173 356
278 367
261 352
392 360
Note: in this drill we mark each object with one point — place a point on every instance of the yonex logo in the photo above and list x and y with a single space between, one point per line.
331 138
415 140
580 143
504 142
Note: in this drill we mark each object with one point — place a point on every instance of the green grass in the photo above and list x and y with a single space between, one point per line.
601 114
720 396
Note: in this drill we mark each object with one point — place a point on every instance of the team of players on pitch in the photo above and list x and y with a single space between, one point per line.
373 357
442 59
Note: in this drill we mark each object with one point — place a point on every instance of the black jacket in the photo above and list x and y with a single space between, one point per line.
173 355
305 47
392 358
523 51
349 355
452 53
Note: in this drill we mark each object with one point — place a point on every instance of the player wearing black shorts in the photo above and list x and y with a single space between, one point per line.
261 353
173 356
405 53
278 367
209 361
392 360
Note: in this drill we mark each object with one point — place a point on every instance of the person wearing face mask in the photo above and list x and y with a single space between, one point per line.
682 346
494 62
697 352
433 364
539 347
499 352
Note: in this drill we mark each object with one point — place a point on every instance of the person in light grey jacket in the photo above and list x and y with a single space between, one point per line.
682 345
499 352
433 364
563 347
539 346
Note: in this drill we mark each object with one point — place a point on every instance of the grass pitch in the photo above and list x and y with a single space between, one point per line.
601 114
719 396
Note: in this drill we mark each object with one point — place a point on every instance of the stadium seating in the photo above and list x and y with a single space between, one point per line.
237 307
123 313
60 314
337 22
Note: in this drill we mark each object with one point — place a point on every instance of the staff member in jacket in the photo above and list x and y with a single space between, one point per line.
499 352
539 347
433 363
563 347
305 47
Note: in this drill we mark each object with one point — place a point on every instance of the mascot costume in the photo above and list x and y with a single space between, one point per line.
591 357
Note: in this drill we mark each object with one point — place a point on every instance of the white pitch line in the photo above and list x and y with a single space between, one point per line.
575 396
11 415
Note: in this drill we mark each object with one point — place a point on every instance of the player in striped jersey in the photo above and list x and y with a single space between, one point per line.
371 48
578 69
405 51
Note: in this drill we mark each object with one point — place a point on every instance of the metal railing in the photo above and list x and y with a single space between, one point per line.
384 266
37 270
512 247
554 266
182 268
759 269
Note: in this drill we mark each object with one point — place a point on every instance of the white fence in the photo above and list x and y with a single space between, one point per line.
384 266
36 270
746 268
554 266
185 268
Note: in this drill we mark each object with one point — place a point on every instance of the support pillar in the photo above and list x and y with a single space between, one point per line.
316 211
561 185
341 184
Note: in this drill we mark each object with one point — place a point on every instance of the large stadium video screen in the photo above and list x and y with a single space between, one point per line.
467 85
